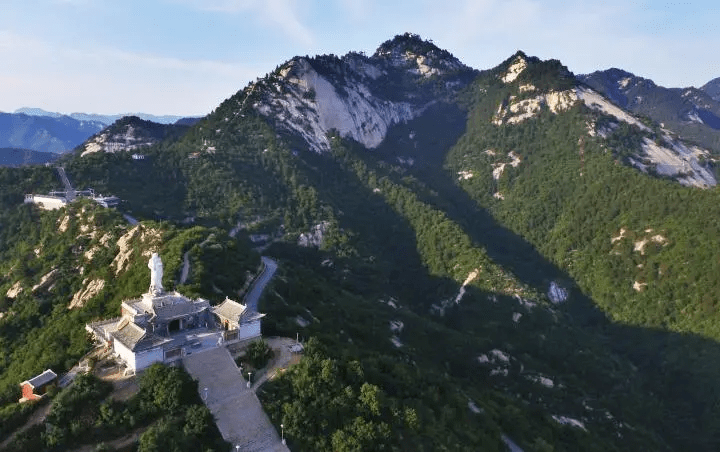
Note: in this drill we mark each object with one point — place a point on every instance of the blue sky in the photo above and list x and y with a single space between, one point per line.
186 56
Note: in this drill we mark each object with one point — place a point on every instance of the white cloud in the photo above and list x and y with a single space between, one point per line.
357 9
282 13
110 80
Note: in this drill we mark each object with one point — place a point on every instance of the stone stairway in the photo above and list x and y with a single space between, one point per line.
237 410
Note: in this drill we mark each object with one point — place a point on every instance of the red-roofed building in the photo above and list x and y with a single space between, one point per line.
38 385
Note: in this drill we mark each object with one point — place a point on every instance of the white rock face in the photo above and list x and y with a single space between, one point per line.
539 379
515 69
396 326
499 168
472 406
91 289
464 175
315 237
597 102
526 88
569 421
517 111
678 160
15 290
46 280
500 355
150 238
312 107
693 117
620 236
557 294
107 142
638 286
470 278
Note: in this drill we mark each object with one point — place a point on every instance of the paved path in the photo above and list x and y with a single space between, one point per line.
252 298
237 410
130 219
512 447
282 359
186 268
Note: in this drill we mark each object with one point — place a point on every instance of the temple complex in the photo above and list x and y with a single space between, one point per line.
165 326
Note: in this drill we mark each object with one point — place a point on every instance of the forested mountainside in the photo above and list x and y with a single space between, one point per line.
130 133
692 113
478 257
19 157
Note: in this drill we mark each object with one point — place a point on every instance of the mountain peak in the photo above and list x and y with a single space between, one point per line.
408 42
411 49
712 88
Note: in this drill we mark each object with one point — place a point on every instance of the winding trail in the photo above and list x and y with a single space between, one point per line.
258 286
238 412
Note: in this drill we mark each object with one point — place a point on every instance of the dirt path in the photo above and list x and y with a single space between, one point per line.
117 444
282 359
37 417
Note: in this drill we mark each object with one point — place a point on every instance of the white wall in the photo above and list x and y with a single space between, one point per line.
137 361
248 330
147 357
49 202
125 354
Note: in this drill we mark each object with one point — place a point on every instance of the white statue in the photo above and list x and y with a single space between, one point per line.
156 274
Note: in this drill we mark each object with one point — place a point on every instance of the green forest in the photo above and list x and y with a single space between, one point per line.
424 311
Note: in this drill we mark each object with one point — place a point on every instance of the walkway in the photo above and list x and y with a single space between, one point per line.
252 298
186 268
237 410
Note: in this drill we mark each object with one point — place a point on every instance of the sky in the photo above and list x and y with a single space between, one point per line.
184 57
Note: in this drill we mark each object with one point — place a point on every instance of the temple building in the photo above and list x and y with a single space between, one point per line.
163 327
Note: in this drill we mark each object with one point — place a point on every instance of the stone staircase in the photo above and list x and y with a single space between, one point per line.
237 410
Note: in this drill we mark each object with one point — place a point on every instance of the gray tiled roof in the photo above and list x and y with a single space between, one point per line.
236 312
103 328
128 334
43 378
177 308
136 338
230 309
168 306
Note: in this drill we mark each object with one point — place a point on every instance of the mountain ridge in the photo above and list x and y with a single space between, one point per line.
712 88
690 112
103 118
511 256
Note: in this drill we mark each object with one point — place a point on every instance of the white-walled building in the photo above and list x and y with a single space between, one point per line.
164 327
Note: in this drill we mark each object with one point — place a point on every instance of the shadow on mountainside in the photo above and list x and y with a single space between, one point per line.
677 373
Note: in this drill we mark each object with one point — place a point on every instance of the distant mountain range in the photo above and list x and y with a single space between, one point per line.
104 119
712 88
44 133
691 112
39 130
